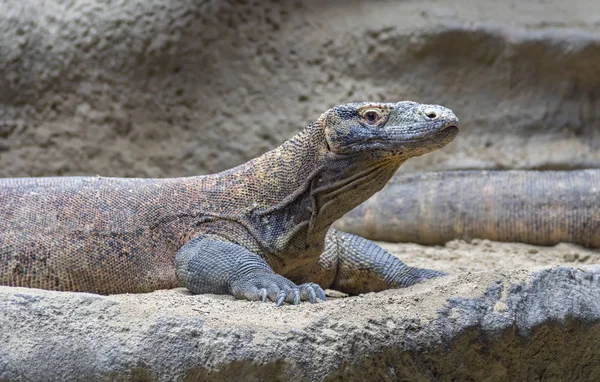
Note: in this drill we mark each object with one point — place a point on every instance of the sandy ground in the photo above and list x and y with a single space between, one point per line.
472 267
459 256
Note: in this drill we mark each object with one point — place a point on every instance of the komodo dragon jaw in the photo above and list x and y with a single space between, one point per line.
258 231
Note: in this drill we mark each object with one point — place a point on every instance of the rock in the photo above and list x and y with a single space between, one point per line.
155 88
523 325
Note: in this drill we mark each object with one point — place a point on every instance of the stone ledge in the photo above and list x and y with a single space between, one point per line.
517 324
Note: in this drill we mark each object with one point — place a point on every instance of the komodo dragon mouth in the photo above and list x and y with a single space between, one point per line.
447 133
452 129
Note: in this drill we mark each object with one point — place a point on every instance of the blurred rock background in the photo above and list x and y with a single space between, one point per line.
156 88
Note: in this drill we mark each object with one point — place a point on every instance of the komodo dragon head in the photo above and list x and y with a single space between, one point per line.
388 130
362 146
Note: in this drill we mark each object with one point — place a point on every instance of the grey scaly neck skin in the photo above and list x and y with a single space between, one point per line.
321 188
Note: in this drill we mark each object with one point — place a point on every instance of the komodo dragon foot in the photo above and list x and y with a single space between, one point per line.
239 272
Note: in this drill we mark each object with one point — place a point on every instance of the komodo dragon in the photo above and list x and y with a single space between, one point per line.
535 207
260 230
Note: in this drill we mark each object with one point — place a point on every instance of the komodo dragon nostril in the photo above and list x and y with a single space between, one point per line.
431 114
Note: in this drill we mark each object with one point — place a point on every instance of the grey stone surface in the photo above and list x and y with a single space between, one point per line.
492 325
168 88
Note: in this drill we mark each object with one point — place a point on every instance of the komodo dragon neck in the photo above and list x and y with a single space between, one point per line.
293 193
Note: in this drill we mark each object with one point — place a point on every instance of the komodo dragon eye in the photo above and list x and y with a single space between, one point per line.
371 116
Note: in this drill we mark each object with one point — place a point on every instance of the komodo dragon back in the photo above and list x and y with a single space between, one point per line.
89 234
260 230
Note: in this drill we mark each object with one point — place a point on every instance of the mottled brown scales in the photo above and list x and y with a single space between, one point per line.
535 207
253 231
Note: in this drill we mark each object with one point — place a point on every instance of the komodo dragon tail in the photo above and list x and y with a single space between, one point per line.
535 207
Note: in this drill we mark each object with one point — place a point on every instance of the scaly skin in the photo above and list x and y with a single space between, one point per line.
535 207
260 230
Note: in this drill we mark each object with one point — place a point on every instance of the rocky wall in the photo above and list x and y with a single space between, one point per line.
157 88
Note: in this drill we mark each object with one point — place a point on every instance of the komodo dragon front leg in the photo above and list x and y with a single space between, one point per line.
210 265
